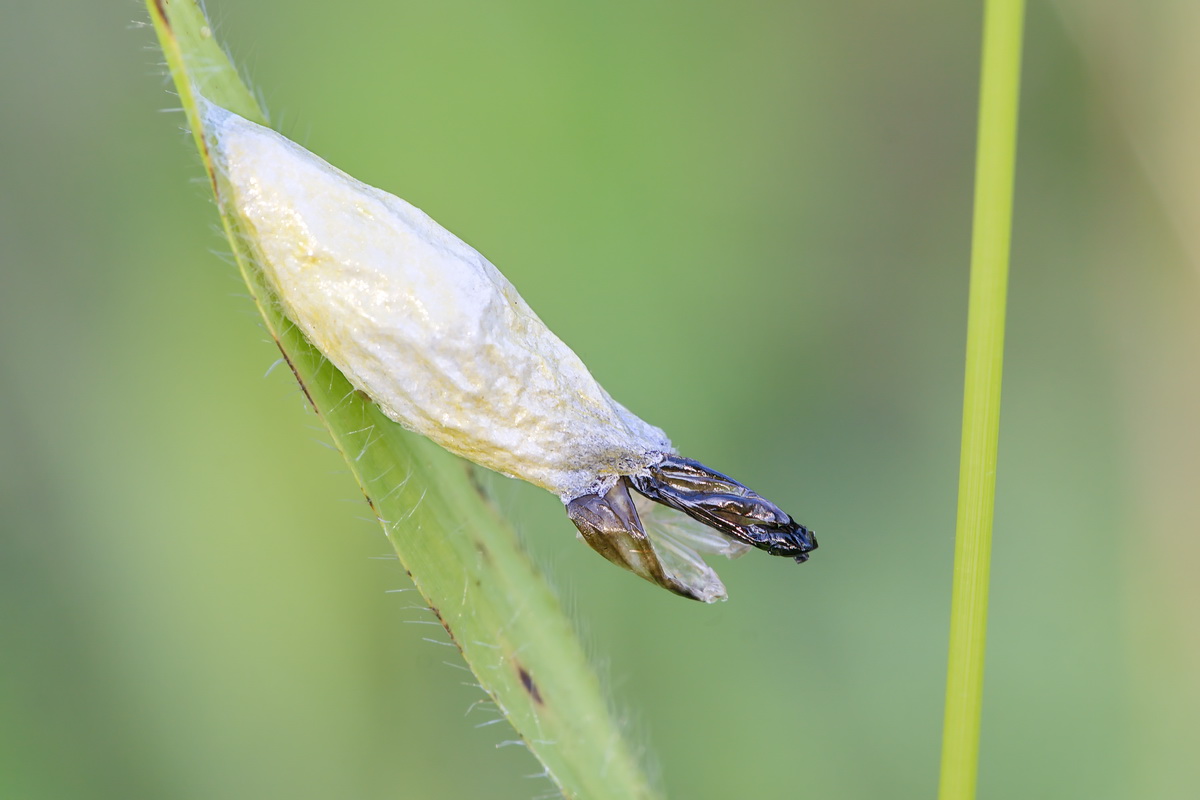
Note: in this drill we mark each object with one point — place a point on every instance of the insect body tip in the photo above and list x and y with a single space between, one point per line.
726 505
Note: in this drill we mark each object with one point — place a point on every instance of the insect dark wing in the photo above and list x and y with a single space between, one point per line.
722 503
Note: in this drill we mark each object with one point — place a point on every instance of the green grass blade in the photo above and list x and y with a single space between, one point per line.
466 561
995 164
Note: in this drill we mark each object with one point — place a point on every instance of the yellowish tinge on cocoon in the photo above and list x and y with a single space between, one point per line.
422 322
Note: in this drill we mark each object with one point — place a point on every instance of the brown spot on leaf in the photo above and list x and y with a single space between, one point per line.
438 613
529 684
303 386
473 473
481 548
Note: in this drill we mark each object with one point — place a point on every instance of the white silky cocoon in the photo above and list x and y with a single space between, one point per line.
420 321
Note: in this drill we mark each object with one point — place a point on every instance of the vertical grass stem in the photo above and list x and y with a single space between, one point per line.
992 227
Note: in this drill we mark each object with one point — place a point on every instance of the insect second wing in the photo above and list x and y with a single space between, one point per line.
609 523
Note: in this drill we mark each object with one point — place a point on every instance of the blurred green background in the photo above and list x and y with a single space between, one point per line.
752 221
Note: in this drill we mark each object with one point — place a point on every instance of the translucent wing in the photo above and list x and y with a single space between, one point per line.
610 525
669 528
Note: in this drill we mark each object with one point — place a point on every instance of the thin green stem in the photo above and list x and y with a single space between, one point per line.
995 163
464 559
